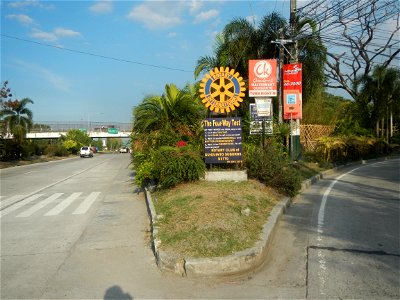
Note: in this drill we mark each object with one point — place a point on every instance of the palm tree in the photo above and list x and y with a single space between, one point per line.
240 41
176 109
379 97
17 116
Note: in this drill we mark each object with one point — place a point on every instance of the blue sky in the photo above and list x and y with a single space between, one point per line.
70 86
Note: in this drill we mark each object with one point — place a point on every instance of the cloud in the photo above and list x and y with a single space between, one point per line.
49 76
205 15
29 3
23 19
194 6
55 35
101 7
157 15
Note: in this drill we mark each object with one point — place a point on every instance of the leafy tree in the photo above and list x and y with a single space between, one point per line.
358 37
75 139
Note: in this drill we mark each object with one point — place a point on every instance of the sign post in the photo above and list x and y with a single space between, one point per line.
292 104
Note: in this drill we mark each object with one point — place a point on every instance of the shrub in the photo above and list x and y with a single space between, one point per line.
145 173
271 165
56 150
71 146
342 149
176 165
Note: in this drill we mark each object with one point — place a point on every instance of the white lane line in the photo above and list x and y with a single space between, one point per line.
38 206
11 200
63 205
19 204
322 273
85 205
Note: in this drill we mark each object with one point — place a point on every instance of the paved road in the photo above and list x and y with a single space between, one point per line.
101 250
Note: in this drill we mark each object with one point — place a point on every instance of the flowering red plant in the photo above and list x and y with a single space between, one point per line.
181 144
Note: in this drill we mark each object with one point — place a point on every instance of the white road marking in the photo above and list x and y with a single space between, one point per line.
38 206
11 200
19 204
63 205
85 205
320 230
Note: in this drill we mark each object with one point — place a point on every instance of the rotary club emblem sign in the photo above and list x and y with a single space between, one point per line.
222 90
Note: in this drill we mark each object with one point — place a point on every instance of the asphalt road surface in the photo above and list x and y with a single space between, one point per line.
78 229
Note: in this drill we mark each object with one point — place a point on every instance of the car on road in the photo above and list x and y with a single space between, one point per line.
86 152
123 150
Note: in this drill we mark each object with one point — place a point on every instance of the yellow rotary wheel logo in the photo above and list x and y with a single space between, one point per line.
221 90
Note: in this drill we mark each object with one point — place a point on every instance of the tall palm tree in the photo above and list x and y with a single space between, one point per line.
379 96
240 41
17 116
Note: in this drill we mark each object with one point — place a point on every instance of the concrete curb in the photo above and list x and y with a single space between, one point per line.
237 263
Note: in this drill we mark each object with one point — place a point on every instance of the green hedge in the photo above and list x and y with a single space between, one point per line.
168 166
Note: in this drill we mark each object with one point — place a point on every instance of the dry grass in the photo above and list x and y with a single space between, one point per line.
211 219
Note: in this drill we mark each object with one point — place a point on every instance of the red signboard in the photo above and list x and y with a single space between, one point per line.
292 91
262 78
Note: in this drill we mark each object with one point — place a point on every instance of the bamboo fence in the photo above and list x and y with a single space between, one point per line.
309 135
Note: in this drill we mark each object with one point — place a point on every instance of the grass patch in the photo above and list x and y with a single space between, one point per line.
211 219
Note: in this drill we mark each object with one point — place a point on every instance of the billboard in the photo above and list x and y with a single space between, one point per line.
292 91
262 78
256 122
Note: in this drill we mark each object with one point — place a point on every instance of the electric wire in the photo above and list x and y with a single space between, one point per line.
94 54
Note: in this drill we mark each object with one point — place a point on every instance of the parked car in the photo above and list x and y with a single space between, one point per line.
86 152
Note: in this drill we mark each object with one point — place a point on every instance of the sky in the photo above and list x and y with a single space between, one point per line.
96 60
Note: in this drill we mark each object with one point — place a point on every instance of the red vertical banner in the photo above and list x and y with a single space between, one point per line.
292 91
262 78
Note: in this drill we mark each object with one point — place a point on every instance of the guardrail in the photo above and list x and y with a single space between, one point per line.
86 126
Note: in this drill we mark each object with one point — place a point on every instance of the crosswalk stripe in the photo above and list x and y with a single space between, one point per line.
11 200
85 205
38 206
19 204
63 205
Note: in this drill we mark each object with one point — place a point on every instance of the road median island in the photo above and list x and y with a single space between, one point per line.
235 263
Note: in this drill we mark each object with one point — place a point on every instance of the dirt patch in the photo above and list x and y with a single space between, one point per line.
211 219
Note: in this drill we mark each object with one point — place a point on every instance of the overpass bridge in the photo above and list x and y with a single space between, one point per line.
53 130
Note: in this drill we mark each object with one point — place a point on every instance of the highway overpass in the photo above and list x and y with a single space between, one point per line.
53 130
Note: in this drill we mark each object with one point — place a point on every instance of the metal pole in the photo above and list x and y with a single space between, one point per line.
291 137
281 57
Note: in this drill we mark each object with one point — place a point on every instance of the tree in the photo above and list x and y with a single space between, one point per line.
379 98
75 139
175 109
17 117
241 41
357 40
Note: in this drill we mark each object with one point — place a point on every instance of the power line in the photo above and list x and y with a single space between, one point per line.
94 54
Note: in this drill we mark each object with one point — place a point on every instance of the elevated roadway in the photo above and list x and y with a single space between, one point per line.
54 130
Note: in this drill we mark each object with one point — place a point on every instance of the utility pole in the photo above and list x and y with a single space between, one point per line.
281 57
294 59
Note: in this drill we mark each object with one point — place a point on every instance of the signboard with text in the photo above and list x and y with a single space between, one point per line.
222 140
256 122
292 91
262 78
